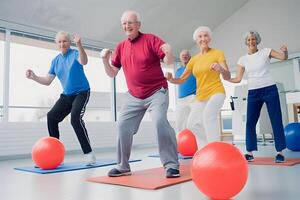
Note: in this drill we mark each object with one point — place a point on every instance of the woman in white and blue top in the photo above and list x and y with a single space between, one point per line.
261 89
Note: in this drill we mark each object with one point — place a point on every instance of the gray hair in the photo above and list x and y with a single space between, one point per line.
64 33
135 13
253 33
185 50
201 29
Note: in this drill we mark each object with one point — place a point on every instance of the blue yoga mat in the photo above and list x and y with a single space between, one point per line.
180 157
70 166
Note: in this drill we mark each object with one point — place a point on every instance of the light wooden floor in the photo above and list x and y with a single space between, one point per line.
264 182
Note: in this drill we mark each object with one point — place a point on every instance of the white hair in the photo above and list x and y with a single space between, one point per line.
185 50
135 13
64 33
201 29
253 33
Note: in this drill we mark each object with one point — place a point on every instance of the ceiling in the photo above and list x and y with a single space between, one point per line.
99 20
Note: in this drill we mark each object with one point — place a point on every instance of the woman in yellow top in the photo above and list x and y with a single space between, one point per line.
206 66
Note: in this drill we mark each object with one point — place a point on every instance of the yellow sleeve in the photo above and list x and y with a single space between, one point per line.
191 63
221 57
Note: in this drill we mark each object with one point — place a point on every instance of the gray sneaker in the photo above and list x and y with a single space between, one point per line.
116 173
172 173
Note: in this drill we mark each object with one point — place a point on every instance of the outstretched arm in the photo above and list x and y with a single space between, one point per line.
239 75
110 70
222 68
44 80
82 55
283 55
179 80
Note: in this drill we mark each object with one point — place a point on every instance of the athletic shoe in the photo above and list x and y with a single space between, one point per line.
279 158
116 173
172 173
90 159
249 157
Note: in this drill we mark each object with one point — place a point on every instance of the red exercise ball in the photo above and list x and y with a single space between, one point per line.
219 170
186 143
48 153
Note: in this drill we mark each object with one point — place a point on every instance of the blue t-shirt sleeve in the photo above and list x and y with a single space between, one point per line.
178 72
52 68
76 54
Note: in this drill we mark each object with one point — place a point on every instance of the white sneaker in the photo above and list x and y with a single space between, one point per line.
90 159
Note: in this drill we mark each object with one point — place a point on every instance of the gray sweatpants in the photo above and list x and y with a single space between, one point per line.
130 117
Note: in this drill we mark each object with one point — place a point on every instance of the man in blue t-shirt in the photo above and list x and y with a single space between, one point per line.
68 67
186 93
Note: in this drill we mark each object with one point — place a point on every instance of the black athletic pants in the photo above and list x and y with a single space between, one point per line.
74 104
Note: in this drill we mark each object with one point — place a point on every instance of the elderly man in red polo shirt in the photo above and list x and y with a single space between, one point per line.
140 55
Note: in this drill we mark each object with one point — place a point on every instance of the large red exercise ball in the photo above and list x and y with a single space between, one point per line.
48 153
292 136
219 170
186 143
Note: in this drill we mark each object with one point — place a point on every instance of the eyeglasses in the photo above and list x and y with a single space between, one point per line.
129 23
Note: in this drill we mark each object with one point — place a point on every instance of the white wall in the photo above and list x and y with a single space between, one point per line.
276 20
283 73
17 139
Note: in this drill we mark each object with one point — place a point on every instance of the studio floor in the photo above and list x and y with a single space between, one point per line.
264 182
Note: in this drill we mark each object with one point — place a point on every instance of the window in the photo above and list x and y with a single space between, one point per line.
172 95
229 90
226 112
28 100
1 71
99 106
33 102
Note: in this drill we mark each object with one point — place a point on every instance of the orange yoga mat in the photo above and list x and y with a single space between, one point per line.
150 179
270 161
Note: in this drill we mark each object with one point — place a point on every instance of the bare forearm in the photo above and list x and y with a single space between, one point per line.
180 79
226 74
234 80
82 55
109 69
176 80
43 80
239 75
285 55
169 59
